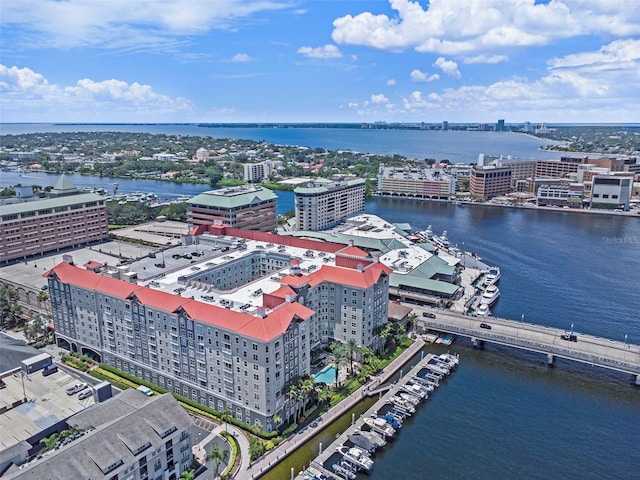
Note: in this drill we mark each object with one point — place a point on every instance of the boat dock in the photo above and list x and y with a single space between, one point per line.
433 369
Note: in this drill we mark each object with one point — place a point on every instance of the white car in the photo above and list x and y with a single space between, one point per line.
85 394
78 387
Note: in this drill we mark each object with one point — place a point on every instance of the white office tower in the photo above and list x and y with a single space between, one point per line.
481 160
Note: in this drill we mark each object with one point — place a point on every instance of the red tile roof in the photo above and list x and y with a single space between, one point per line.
353 251
265 329
345 276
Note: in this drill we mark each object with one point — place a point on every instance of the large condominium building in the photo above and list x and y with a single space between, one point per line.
231 329
257 172
66 218
249 207
323 203
426 183
490 181
130 436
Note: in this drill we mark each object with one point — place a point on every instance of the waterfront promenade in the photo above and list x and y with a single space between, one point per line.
602 352
292 443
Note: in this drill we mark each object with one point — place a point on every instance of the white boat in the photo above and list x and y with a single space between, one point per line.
357 457
448 360
380 425
490 295
405 406
413 398
451 358
344 471
436 369
417 390
483 310
492 277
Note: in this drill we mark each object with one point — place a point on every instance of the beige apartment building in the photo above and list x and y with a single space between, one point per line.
67 217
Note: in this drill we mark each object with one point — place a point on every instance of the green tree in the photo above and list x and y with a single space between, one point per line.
225 416
218 455
188 475
10 309
256 448
350 349
339 358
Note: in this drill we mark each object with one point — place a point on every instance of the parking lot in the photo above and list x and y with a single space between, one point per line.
47 403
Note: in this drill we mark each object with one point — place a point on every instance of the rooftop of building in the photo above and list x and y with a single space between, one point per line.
241 308
324 185
414 173
233 197
118 430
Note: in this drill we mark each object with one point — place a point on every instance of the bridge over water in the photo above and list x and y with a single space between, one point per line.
602 352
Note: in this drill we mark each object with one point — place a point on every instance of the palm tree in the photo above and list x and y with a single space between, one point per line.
351 348
307 387
188 475
43 297
339 358
218 455
225 416
277 419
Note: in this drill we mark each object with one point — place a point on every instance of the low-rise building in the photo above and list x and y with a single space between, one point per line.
421 183
609 191
130 436
248 207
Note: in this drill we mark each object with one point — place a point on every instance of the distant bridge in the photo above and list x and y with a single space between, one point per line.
602 352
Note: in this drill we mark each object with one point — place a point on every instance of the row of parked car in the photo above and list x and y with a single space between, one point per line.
81 388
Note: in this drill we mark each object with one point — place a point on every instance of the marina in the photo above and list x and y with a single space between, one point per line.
354 450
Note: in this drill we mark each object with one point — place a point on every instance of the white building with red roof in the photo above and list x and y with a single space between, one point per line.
228 319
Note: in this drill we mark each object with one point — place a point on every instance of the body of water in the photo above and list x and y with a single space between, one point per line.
453 145
504 414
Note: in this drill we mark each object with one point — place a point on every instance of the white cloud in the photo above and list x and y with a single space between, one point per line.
419 76
241 57
485 27
491 59
449 67
391 82
587 85
25 92
123 23
379 99
325 52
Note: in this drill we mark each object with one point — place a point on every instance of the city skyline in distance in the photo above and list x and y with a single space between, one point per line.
397 61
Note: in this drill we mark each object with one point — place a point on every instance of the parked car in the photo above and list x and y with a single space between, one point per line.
49 369
85 394
428 315
78 387
485 325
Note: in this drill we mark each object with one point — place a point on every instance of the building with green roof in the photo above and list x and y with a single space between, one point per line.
250 207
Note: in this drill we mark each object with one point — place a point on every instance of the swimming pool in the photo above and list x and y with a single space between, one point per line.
326 375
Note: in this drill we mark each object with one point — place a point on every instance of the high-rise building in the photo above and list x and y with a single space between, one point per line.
66 218
323 203
257 172
500 126
231 329
250 207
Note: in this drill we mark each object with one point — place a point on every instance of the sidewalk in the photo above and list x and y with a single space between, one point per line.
295 441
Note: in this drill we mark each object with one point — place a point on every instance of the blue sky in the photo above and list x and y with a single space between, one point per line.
320 61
